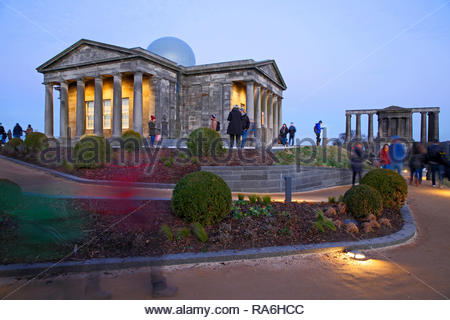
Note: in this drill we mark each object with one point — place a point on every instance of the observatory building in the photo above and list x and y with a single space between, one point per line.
106 90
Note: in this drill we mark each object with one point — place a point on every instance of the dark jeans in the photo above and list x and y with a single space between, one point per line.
244 138
234 137
415 173
439 169
318 139
291 138
356 173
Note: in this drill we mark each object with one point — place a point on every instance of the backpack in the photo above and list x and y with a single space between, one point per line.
218 126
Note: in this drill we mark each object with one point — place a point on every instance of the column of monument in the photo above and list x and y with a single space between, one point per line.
137 103
117 106
48 110
98 106
63 109
81 109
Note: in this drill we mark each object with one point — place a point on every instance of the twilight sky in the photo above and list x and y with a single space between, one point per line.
333 55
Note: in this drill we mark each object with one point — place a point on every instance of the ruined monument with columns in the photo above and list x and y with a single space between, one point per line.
106 90
394 121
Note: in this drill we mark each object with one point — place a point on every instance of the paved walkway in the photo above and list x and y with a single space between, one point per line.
419 269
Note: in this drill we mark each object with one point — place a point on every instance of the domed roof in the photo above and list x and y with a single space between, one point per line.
173 49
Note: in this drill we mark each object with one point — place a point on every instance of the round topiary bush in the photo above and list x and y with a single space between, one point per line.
201 197
90 152
132 140
363 200
205 142
15 145
36 141
10 195
391 186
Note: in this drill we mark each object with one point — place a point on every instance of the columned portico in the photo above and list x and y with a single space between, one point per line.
137 103
81 113
117 106
98 106
49 110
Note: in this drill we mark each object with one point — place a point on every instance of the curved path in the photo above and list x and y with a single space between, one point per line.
419 269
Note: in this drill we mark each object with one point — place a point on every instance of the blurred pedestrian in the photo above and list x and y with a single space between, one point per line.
2 134
357 159
417 163
318 131
283 134
436 159
292 131
29 130
17 131
152 129
384 157
397 154
234 126
245 126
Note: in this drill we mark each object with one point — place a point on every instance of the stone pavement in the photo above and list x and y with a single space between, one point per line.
419 269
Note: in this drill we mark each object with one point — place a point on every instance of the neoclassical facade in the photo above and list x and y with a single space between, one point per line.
106 90
395 121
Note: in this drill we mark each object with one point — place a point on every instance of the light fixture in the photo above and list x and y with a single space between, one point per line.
356 255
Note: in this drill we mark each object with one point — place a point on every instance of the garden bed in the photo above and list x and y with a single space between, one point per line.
122 228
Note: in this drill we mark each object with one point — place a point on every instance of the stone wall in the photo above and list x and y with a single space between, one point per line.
260 179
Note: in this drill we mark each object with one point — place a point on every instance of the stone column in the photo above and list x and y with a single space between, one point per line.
370 128
423 127
98 106
410 126
137 103
81 109
430 126
117 106
380 127
250 101
275 117
436 125
348 128
358 126
258 107
226 103
264 105
280 113
63 109
49 110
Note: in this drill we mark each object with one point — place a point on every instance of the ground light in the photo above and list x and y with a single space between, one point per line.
356 255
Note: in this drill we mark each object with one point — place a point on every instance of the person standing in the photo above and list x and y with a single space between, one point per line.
2 134
234 126
29 130
384 157
436 157
397 154
318 131
283 134
245 126
357 159
152 129
17 131
214 125
292 131
416 163
9 135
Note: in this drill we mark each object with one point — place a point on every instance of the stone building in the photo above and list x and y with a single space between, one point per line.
395 121
106 90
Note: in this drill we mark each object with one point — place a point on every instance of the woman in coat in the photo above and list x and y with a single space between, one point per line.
385 161
283 134
357 159
234 126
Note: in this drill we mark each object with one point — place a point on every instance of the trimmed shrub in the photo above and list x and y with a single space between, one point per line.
132 140
14 145
391 186
201 197
202 141
10 195
36 141
363 200
90 152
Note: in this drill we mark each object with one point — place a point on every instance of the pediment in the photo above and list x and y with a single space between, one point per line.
84 52
271 70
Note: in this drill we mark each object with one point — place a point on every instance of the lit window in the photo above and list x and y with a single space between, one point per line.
106 114
125 113
89 115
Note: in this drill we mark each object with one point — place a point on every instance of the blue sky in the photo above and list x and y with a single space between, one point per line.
334 55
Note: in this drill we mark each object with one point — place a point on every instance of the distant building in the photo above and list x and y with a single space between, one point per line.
106 90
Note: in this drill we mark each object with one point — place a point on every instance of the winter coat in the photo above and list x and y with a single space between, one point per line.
435 154
17 131
417 161
384 157
357 159
292 130
2 130
151 128
397 152
318 128
245 122
235 123
283 132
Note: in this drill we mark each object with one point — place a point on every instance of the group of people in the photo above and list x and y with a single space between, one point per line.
393 156
17 132
238 126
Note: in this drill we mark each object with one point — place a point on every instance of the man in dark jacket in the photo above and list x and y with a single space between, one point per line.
17 131
357 159
317 131
234 126
2 134
245 126
435 157
283 134
292 131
